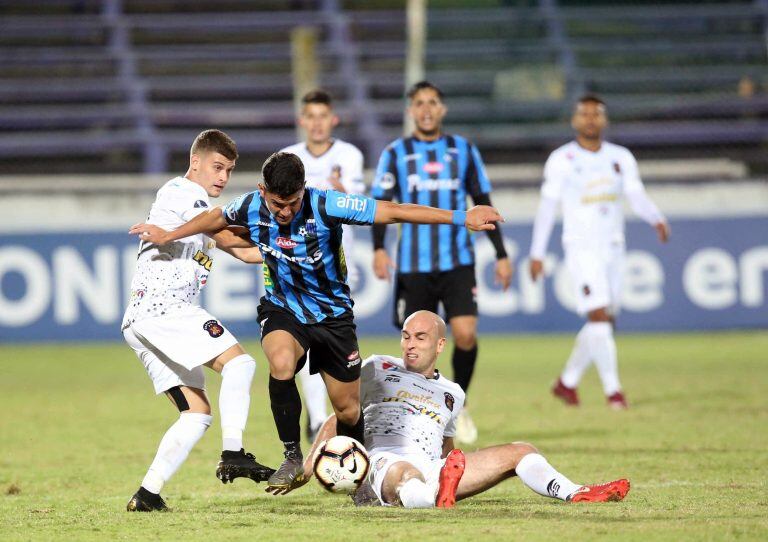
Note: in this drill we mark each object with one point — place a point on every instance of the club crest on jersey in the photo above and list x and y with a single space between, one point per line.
213 328
200 204
284 242
387 181
449 401
433 168
616 167
586 290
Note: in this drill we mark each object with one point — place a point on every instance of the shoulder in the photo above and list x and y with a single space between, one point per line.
179 187
450 386
296 148
347 148
459 141
562 151
394 145
382 362
620 151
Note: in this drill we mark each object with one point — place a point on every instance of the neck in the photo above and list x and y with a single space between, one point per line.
590 143
427 137
319 148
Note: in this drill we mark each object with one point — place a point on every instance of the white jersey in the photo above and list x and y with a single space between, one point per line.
590 186
168 278
405 410
346 161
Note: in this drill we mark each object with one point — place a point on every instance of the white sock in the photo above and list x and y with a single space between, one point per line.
578 362
602 348
541 477
416 494
174 448
313 389
235 399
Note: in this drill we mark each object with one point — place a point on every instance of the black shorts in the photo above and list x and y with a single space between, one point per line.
330 345
455 289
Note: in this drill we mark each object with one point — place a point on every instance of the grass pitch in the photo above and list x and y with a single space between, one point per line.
80 425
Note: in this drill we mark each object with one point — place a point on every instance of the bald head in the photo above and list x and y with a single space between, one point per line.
422 340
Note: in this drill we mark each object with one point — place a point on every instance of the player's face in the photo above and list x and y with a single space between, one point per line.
318 121
211 171
589 120
427 111
421 344
283 209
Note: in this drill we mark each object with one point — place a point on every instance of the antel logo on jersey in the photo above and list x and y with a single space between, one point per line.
349 202
433 168
284 242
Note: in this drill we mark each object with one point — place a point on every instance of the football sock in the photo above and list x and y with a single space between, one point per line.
174 449
235 399
602 349
578 362
315 393
463 362
541 477
356 431
286 410
416 494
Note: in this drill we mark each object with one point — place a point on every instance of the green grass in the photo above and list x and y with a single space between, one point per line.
80 425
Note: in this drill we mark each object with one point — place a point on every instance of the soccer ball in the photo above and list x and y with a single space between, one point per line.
341 464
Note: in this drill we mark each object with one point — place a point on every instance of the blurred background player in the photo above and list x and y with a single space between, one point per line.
174 337
589 177
436 263
329 164
411 412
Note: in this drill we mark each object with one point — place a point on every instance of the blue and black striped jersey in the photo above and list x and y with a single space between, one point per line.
304 267
439 173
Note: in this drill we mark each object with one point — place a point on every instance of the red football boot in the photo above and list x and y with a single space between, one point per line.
611 492
568 395
450 475
617 401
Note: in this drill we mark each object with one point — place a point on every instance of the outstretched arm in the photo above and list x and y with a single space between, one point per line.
478 218
207 222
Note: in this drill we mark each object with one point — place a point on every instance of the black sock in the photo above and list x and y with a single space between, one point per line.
463 366
356 431
286 409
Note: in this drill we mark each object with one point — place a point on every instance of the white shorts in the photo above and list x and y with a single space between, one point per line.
384 457
596 274
173 348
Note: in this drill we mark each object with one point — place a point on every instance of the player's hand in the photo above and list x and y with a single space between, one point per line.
382 263
536 268
663 231
150 233
504 271
481 217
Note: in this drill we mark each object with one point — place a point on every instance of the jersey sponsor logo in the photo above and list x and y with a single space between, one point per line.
391 378
417 184
266 224
351 202
414 409
214 328
600 198
268 283
403 394
200 204
433 168
387 366
353 359
387 181
449 401
284 242
203 259
315 257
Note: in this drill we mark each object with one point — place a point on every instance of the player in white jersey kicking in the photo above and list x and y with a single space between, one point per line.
410 414
329 164
590 177
174 337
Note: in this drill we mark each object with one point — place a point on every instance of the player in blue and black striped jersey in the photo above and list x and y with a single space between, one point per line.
307 304
435 263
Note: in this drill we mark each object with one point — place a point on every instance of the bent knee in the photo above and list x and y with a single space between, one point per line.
348 413
524 448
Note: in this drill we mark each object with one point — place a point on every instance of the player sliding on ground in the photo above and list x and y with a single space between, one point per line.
410 414
307 305
174 337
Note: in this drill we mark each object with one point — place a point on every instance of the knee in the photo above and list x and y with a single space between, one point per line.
349 412
464 339
517 451
282 364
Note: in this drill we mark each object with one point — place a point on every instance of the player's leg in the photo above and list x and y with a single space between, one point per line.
315 394
237 369
457 290
283 352
487 467
345 399
602 348
185 389
615 269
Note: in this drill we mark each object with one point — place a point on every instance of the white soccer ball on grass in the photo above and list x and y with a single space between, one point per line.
341 464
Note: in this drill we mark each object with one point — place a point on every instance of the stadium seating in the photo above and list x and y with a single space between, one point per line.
122 86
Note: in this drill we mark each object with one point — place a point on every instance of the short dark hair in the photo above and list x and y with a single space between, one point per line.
317 96
421 85
215 141
589 98
283 174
